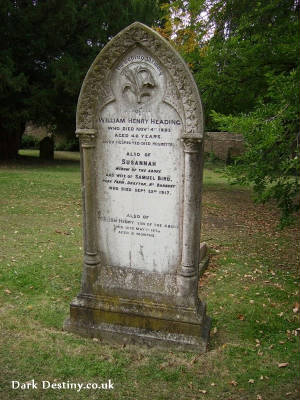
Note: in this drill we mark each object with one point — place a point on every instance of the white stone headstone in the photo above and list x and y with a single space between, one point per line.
140 124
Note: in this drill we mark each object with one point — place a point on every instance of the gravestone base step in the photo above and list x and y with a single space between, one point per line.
138 329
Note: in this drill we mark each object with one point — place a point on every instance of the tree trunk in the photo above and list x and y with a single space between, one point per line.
10 143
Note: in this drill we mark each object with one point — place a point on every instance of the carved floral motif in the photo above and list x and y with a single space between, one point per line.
139 82
96 90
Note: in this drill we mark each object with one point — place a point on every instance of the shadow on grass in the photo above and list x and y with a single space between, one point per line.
30 159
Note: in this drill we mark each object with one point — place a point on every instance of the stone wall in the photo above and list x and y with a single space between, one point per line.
41 132
223 145
38 132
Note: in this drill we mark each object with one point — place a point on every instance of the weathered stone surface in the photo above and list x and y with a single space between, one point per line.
140 124
203 250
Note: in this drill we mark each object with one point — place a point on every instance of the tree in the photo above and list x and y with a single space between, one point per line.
46 47
259 66
232 45
184 26
270 163
246 64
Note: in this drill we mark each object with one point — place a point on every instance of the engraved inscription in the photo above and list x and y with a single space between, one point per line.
139 176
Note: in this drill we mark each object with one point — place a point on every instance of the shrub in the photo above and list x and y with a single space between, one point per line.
70 145
29 142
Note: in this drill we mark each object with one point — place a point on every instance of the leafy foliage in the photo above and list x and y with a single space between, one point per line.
245 61
250 41
271 160
46 48
29 142
232 45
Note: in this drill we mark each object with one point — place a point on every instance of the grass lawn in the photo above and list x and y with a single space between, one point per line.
251 288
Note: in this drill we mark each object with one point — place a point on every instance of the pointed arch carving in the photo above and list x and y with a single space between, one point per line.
96 90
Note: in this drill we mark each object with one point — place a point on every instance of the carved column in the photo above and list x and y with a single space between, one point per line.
87 139
188 274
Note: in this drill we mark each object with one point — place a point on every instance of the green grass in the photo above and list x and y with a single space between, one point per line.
251 289
58 155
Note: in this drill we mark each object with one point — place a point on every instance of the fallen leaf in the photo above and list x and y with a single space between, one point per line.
251 381
7 291
282 365
296 308
233 383
202 391
241 317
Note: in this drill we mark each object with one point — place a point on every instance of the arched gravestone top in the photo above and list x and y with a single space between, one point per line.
140 124
96 90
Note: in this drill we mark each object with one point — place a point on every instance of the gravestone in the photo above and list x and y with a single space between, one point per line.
47 148
140 125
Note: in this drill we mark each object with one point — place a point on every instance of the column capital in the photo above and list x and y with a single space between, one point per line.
87 137
191 144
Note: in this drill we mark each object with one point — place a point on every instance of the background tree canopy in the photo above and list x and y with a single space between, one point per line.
244 56
232 46
46 49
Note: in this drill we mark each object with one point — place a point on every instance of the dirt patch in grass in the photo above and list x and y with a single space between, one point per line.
232 219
